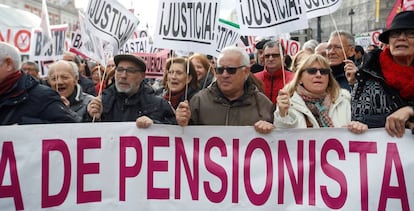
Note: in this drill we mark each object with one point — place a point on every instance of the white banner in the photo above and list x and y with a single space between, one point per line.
115 166
271 17
291 46
316 8
187 25
368 38
135 45
19 37
56 48
227 35
110 22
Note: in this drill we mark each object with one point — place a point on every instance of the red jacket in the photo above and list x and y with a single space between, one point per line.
272 83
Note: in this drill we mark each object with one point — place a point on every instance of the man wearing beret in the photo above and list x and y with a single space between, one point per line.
130 99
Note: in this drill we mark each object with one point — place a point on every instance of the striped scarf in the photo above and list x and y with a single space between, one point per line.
318 105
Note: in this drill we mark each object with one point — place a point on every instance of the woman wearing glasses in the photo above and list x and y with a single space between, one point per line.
314 99
383 94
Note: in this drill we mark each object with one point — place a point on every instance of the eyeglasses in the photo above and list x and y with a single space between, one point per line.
230 70
313 71
274 55
397 33
128 70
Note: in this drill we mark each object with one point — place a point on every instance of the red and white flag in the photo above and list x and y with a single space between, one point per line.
400 5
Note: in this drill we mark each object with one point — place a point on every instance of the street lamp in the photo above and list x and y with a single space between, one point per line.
351 13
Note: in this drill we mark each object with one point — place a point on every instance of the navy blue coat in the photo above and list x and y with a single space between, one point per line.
118 107
29 102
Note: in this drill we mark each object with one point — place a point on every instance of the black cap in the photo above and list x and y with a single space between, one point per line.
133 58
260 44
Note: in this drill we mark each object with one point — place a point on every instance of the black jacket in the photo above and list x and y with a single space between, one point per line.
29 102
372 99
118 107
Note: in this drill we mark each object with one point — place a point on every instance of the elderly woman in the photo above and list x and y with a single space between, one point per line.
177 82
383 94
63 77
204 69
313 99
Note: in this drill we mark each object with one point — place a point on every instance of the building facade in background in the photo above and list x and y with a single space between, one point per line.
60 11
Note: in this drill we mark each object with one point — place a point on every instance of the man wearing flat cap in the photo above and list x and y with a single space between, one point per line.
130 99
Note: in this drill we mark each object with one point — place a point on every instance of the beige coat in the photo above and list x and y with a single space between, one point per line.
210 107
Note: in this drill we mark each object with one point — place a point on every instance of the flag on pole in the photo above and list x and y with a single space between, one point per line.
395 9
44 22
45 26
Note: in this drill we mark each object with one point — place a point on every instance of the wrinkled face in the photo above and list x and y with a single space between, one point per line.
272 58
128 77
334 50
177 77
62 79
96 76
30 69
316 83
231 85
199 68
402 45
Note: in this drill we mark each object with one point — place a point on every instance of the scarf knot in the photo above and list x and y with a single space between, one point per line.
319 106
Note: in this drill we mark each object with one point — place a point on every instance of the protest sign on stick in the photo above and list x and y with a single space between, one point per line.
271 17
54 49
187 25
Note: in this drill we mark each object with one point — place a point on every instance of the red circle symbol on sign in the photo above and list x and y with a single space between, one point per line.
374 37
293 48
22 40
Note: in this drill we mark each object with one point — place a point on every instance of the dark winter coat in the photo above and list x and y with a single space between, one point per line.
29 102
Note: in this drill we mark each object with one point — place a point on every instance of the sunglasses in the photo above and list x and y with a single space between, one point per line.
397 33
322 71
230 70
274 55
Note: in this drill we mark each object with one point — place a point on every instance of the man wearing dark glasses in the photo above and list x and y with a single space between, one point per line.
274 77
232 100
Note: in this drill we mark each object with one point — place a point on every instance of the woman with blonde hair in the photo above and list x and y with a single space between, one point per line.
314 99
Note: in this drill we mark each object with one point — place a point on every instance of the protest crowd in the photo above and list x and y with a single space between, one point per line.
337 89
332 84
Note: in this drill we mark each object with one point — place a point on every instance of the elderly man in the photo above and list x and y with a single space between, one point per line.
22 99
272 75
87 84
63 77
131 99
341 57
232 99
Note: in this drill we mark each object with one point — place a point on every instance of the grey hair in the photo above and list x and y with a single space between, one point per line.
75 70
244 57
346 34
272 44
7 50
310 44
